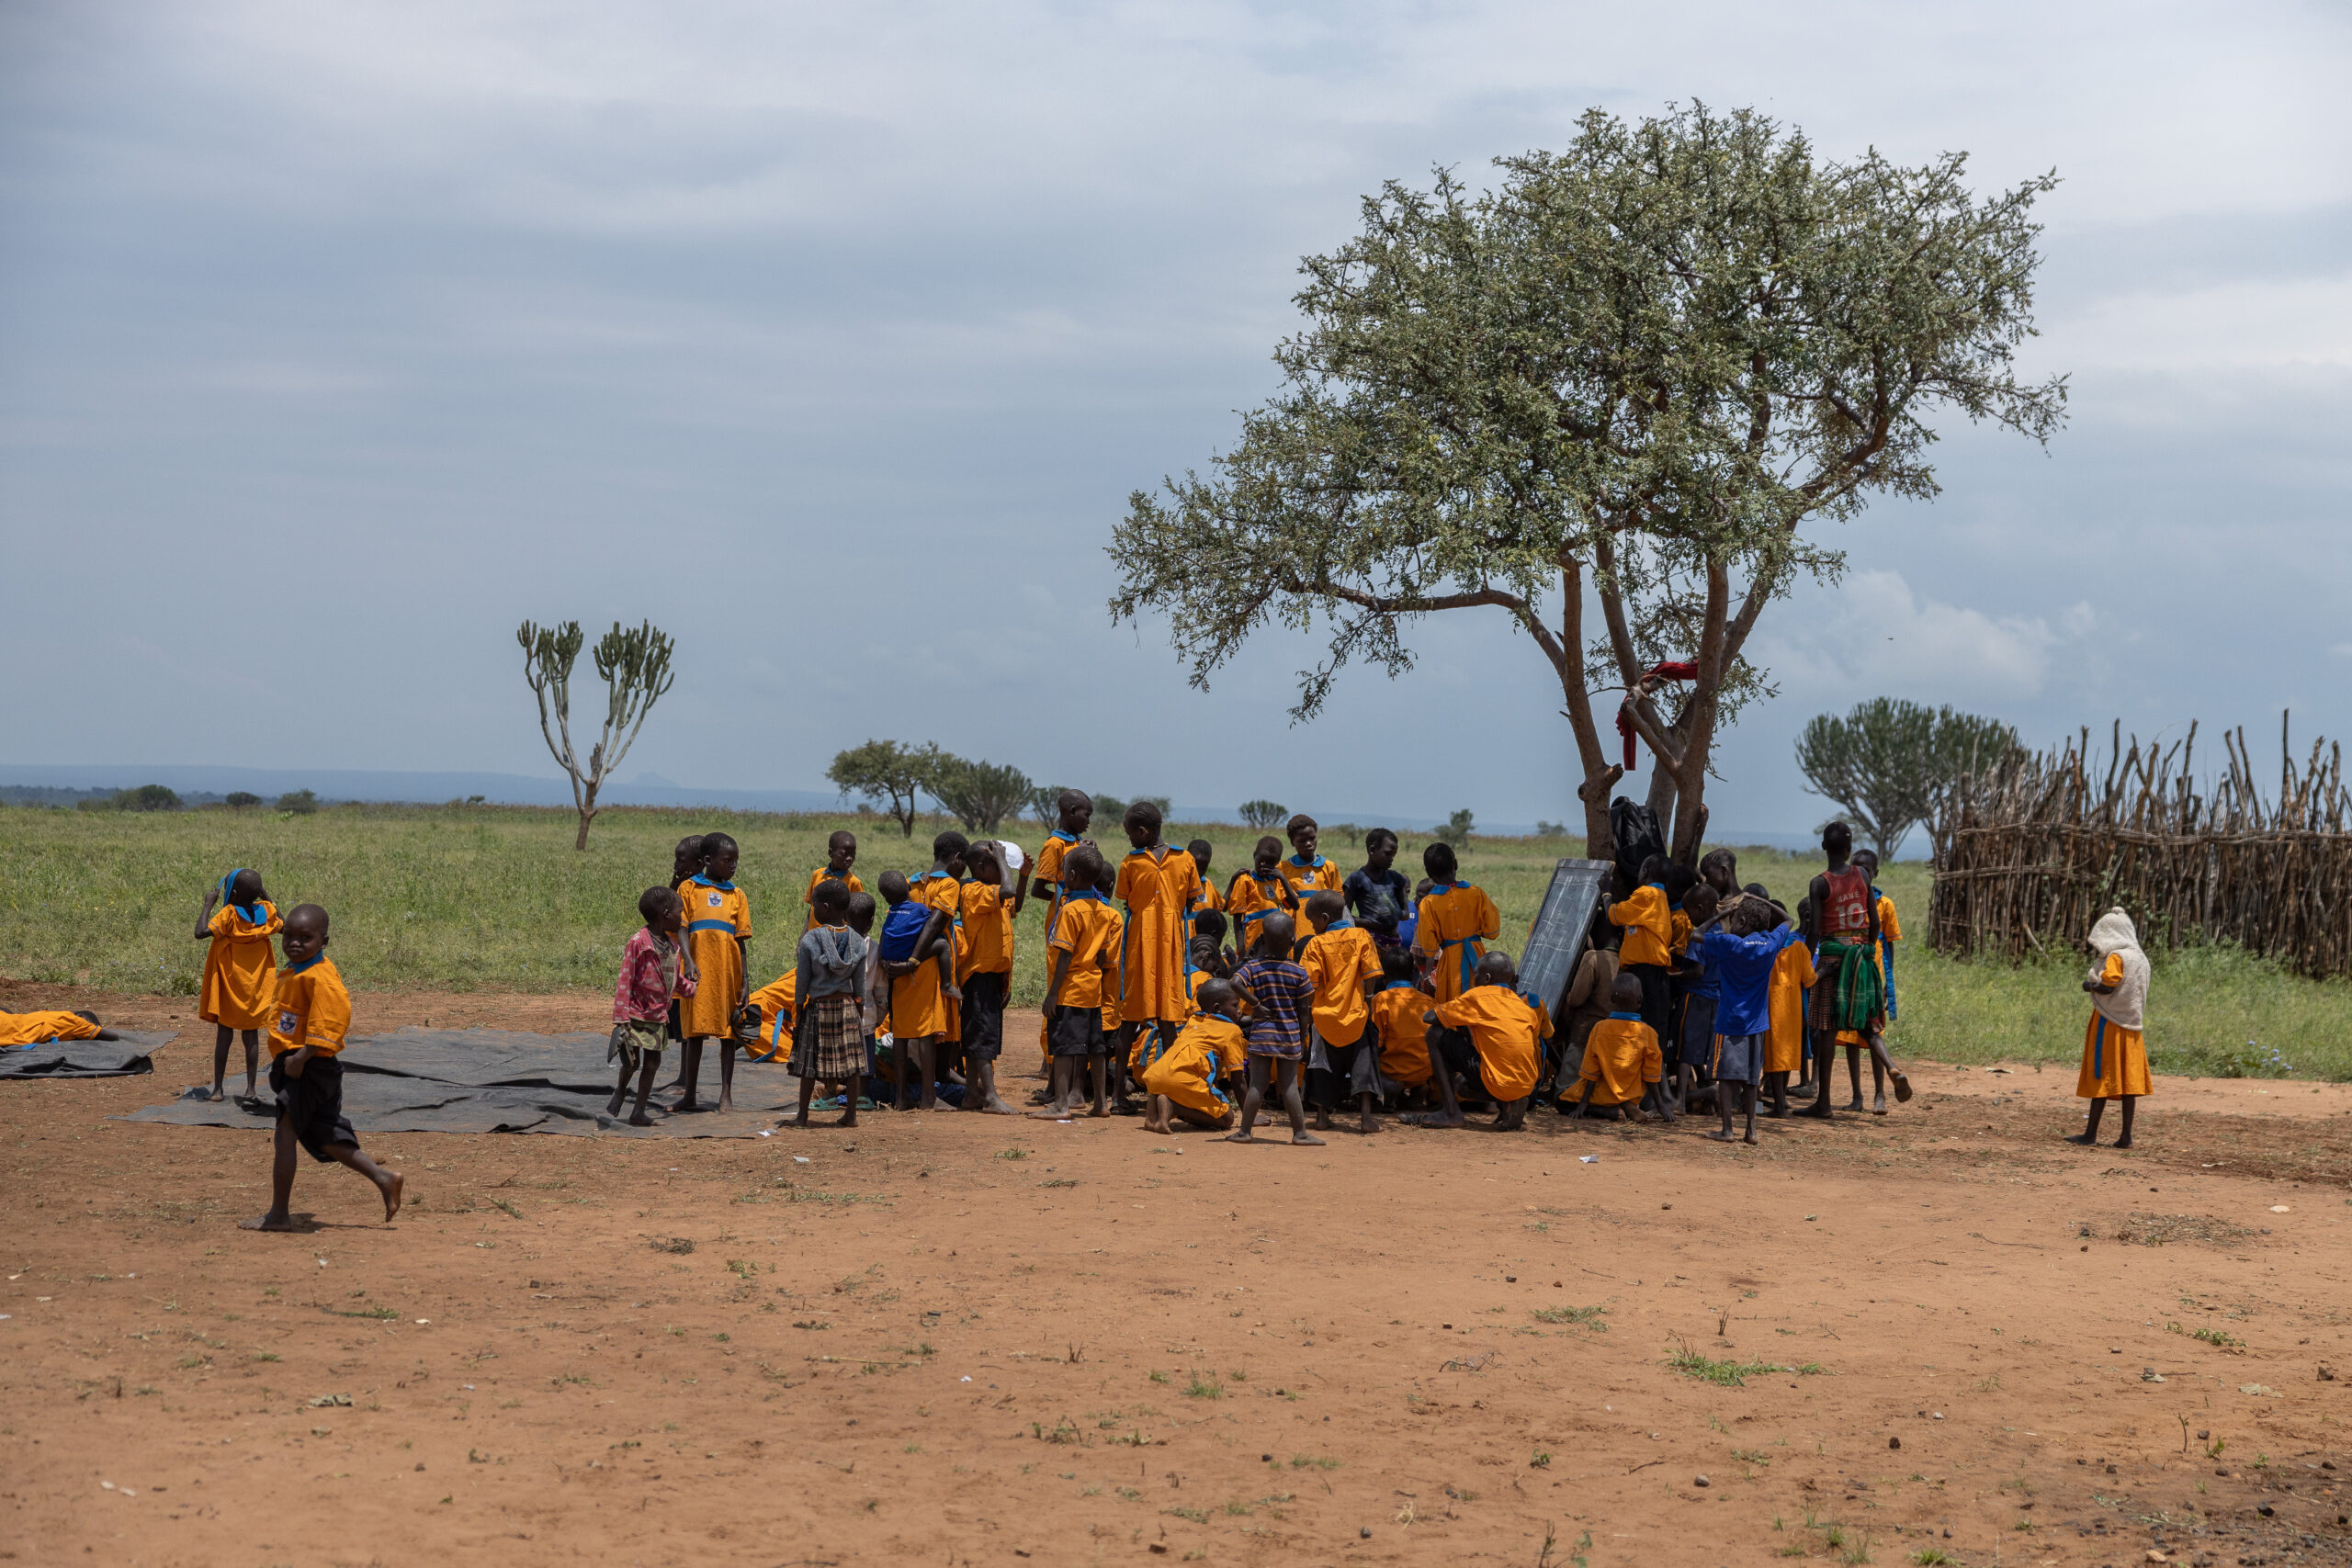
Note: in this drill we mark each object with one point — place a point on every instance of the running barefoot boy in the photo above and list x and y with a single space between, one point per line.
2115 1056
1622 1065
990 901
1281 998
240 989
1076 957
1345 969
648 979
829 977
306 1069
1184 1081
718 948
840 854
1494 1038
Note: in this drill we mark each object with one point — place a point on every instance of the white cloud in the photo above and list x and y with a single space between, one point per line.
2244 324
1876 635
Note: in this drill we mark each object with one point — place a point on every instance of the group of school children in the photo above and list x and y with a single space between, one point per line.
1293 983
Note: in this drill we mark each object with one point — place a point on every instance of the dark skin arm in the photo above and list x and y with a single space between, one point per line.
204 919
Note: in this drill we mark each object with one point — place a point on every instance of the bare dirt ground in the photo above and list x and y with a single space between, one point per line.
954 1340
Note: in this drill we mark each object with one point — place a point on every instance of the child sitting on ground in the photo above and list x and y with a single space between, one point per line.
1491 1037
1345 969
240 988
829 975
2115 1056
1622 1066
1076 959
1588 1001
648 979
1184 1080
306 1070
1397 1030
1377 894
1740 957
1281 998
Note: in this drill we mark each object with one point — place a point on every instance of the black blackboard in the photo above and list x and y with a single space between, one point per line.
1561 926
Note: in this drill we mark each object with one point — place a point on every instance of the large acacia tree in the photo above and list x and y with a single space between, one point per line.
1626 378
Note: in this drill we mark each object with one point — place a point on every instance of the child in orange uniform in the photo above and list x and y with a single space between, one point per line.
1186 1080
1397 1023
1647 951
1784 1052
306 1070
919 981
1345 969
240 988
2115 1055
992 898
1077 959
1254 894
1160 888
1455 922
1494 1038
1203 851
1074 811
40 1027
1306 871
718 948
840 854
1622 1065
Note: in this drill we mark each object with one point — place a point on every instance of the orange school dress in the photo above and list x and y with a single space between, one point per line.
34 1028
240 986
1157 890
717 915
1457 922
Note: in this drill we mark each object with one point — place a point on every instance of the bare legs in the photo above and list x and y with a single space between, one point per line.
221 1036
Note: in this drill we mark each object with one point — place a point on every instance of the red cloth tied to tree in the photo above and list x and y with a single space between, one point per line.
1672 669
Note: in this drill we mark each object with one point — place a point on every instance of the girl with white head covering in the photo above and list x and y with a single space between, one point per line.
2115 1059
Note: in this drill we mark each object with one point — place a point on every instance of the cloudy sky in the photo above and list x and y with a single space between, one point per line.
335 340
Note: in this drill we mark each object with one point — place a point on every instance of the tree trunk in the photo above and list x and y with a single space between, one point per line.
587 815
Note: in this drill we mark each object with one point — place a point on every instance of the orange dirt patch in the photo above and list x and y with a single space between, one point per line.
963 1338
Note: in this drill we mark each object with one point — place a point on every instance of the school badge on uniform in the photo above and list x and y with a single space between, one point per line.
285 1023
712 900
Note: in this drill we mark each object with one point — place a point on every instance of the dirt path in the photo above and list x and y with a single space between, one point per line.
956 1338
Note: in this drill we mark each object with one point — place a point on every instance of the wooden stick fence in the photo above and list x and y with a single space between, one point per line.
2034 848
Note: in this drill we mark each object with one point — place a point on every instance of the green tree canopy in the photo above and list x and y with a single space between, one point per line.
885 771
1627 375
980 794
1262 814
1889 762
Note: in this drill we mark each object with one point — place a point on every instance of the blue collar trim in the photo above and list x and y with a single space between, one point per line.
251 912
311 963
1628 1017
1063 835
1307 865
1083 892
706 882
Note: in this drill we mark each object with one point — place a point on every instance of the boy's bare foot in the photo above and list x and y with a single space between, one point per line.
1436 1119
2083 1140
2121 1143
1819 1111
1855 1104
1902 1089
643 1119
394 1185
1304 1137
1240 1138
1747 1138
1879 1109
613 1106
1099 1110
215 1095
726 1102
941 1105
1724 1136
1050 1113
1322 1118
849 1119
270 1222
1370 1123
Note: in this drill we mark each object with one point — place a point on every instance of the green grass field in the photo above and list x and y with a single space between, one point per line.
464 898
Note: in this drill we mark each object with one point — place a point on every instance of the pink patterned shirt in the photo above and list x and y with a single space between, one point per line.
648 976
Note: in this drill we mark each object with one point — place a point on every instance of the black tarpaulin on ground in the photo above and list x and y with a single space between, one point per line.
84 1058
496 1081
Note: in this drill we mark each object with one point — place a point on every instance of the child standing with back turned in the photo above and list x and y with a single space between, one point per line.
240 990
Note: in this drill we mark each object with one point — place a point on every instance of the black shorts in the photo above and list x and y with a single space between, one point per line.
1075 1032
672 1026
1334 1087
312 1104
1655 979
984 1016
1457 1051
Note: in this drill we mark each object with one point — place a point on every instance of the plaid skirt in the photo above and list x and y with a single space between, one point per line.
831 1046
